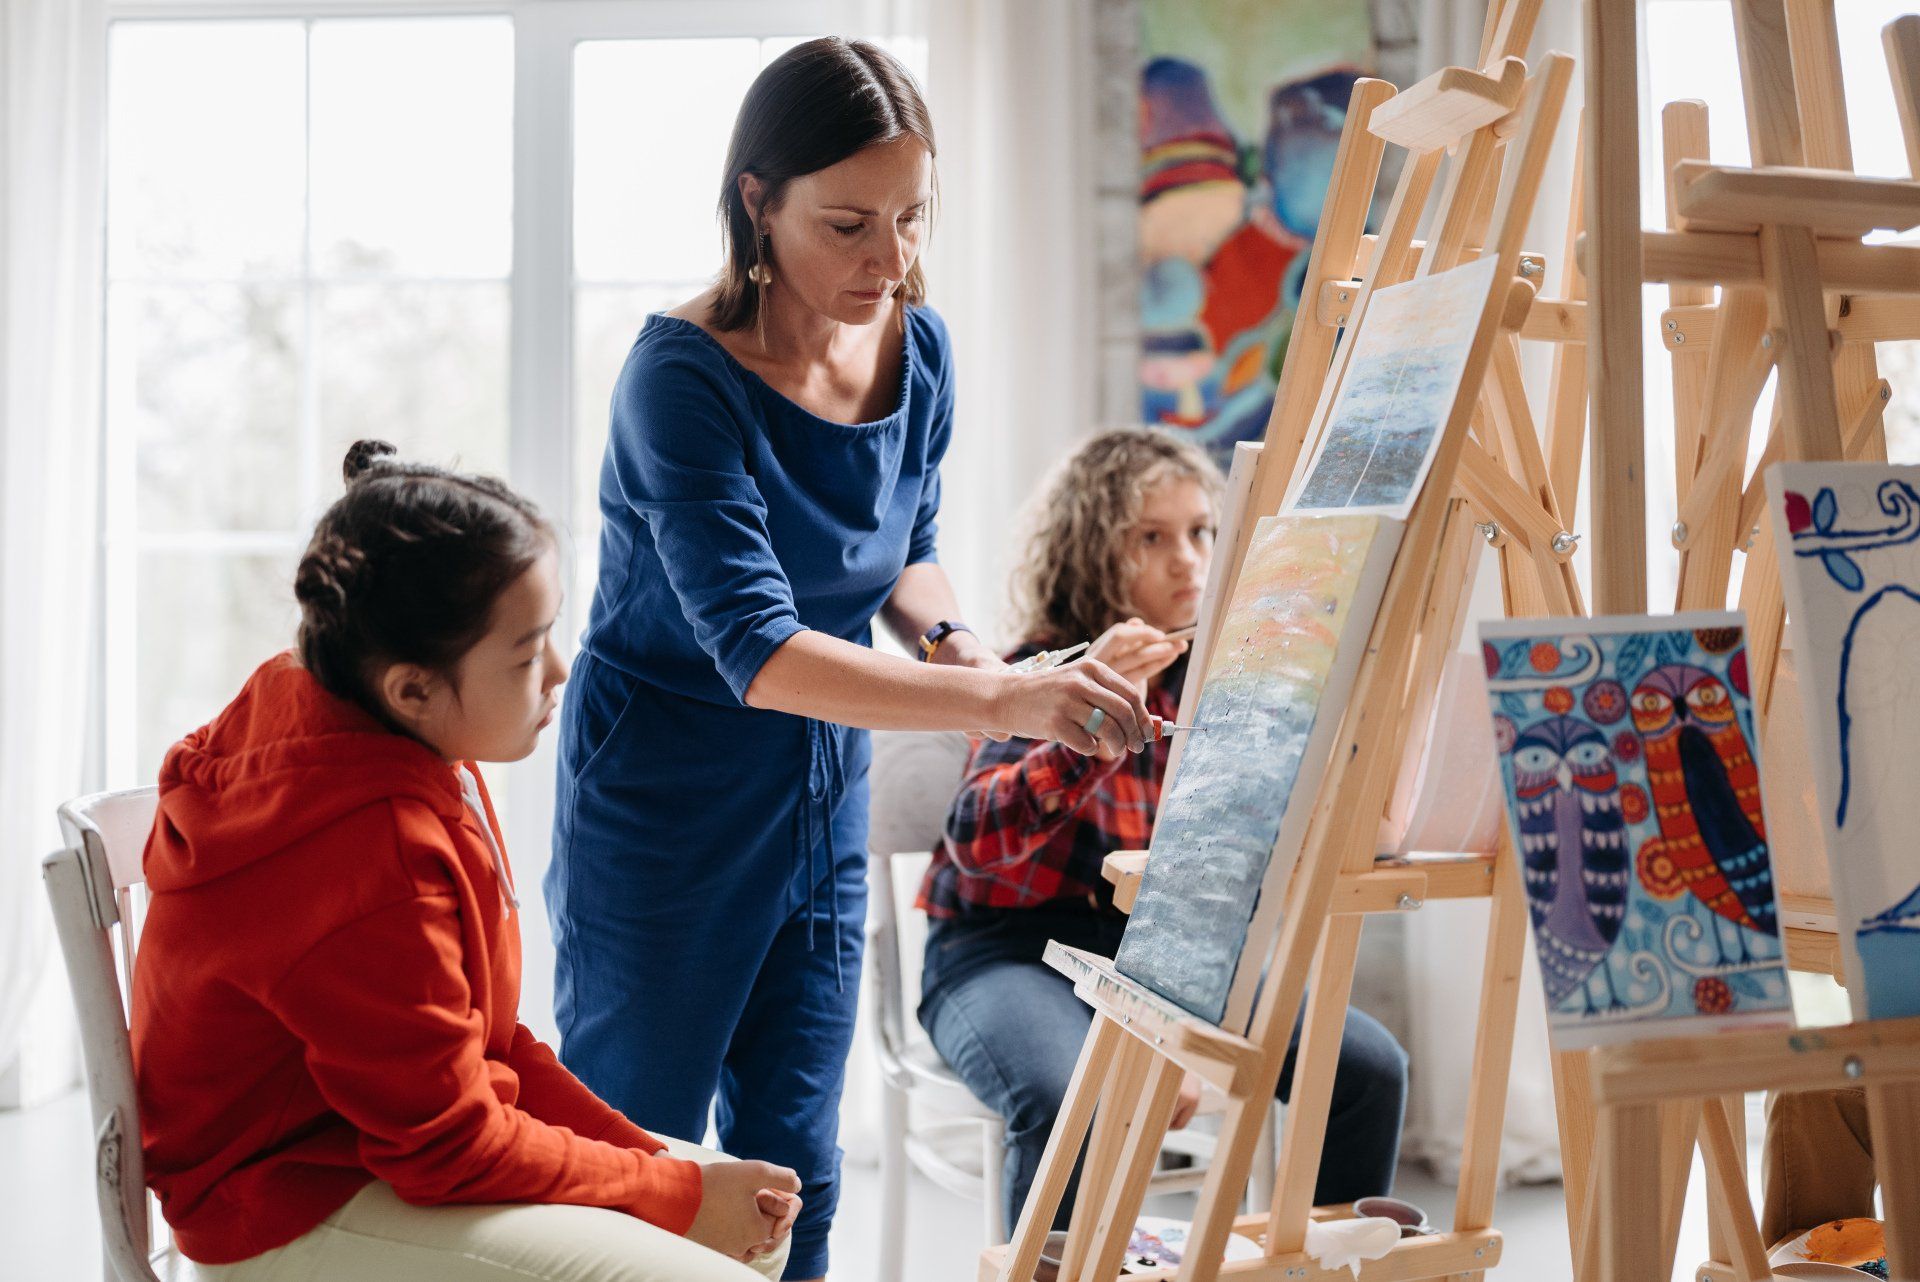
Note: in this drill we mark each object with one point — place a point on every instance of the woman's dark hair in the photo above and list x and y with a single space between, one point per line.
405 568
813 106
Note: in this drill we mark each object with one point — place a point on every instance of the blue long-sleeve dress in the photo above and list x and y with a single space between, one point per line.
707 890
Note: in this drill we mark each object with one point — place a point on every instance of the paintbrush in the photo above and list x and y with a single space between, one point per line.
1167 727
1182 634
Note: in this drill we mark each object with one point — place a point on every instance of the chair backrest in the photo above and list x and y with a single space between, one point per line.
91 885
913 779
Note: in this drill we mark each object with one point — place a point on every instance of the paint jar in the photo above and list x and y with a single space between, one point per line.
1411 1219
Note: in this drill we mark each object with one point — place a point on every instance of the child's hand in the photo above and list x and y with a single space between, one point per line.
1185 1104
731 1219
782 1208
1136 650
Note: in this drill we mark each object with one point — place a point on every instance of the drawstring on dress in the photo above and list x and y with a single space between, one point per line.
813 827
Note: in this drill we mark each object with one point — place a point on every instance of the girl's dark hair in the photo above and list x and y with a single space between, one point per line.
813 106
405 568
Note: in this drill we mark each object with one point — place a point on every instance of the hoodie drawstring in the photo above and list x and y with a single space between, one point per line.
813 827
470 793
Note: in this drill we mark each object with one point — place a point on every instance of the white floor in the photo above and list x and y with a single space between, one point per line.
48 1232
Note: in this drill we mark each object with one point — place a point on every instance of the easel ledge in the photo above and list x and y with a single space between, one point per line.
1875 1052
1402 883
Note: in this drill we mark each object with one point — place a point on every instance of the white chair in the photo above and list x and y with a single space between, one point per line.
913 780
96 886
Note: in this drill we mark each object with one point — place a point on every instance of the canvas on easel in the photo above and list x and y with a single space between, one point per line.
1632 776
1231 824
1848 536
1399 388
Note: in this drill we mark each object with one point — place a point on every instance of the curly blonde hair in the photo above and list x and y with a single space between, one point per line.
1071 581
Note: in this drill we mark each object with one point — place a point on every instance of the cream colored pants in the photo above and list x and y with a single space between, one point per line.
376 1237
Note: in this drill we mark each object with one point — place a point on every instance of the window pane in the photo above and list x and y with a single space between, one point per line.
205 135
206 381
606 319
651 124
206 620
422 366
413 146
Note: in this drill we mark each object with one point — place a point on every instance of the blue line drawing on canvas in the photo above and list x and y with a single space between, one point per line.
1861 527
1633 796
1814 536
1889 944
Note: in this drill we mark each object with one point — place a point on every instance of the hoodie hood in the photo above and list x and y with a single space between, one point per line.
283 760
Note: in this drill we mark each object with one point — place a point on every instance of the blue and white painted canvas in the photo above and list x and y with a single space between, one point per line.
1632 777
1397 393
1848 536
1235 813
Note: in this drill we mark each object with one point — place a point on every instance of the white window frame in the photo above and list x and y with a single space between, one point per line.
541 276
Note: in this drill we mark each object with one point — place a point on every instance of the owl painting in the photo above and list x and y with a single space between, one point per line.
1706 796
1573 847
1632 791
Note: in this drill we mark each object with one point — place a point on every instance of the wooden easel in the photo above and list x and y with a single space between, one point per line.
1783 243
1130 1067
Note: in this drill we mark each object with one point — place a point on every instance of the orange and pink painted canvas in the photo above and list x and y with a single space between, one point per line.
1235 814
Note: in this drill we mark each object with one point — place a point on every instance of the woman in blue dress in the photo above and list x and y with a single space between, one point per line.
771 484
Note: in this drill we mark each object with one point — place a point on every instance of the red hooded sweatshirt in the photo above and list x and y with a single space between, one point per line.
327 992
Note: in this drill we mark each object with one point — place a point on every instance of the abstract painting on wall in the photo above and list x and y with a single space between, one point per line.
1849 541
1410 351
1233 819
1241 107
1632 776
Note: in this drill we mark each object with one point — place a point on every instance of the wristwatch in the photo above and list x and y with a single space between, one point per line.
930 640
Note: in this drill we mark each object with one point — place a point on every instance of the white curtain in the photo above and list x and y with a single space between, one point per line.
1444 992
1011 263
1010 266
52 123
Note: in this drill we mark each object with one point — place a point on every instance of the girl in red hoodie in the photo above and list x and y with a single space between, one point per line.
333 1078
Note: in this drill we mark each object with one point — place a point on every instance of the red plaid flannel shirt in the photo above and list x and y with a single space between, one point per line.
1034 819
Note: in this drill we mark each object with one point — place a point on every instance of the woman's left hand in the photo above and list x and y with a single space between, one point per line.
965 650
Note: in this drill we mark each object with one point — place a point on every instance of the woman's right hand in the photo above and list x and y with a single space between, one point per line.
1058 704
731 1218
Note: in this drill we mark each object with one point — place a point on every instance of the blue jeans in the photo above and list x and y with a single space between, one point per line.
1013 1030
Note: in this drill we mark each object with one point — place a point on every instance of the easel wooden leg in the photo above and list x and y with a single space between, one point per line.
1493 1045
1160 1089
1893 1111
1063 1146
1312 1095
1125 1082
1720 1232
1573 1110
1730 1206
1630 1196
1679 1131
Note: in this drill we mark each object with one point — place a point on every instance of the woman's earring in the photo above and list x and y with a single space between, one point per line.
761 274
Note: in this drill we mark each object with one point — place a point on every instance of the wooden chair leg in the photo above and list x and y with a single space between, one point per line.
895 1173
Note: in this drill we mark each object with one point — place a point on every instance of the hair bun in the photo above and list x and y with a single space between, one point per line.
327 574
361 456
